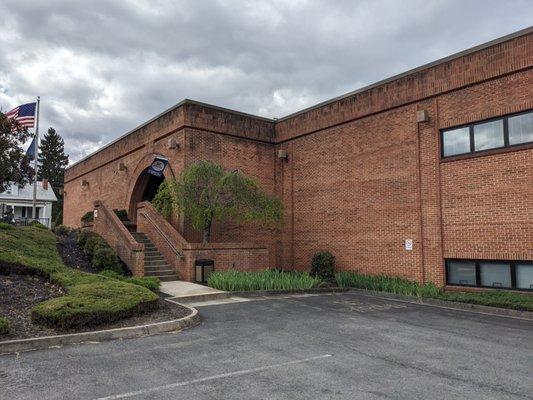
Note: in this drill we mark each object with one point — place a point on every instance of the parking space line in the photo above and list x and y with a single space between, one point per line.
212 377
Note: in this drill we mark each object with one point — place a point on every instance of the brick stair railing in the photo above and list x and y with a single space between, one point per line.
164 237
154 262
112 229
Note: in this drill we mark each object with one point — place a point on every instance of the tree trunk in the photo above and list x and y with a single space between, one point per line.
207 231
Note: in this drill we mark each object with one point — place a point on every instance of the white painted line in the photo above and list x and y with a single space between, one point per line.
210 378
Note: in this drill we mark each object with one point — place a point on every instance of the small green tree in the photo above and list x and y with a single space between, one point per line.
205 192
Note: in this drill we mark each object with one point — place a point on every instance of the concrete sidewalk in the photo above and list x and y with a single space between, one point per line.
185 289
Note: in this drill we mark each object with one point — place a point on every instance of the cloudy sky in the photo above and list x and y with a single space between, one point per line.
103 67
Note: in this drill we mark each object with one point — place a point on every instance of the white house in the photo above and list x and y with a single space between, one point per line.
16 203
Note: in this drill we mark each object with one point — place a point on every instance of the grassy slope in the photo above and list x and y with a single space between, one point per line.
493 298
91 299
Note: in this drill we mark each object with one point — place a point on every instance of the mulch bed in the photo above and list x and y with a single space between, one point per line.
72 255
20 292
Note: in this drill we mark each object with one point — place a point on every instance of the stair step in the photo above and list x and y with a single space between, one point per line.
156 264
165 272
157 269
160 274
153 253
168 278
155 257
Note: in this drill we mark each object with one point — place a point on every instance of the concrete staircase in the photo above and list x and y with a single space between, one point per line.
154 262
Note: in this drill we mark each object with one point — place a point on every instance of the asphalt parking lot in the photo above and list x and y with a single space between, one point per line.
334 346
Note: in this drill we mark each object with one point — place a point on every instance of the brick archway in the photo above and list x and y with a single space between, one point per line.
140 180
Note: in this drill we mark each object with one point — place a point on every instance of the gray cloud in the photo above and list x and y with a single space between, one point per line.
103 67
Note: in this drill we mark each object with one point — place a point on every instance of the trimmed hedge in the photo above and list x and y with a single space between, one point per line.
149 282
91 299
4 326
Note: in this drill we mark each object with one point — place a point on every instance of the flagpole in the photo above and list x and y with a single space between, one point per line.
36 152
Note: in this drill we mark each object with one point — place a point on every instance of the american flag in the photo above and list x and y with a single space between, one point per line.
24 115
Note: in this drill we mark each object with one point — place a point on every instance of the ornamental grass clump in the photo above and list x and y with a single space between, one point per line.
491 298
270 279
386 284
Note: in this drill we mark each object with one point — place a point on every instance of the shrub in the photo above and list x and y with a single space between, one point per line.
4 326
121 214
4 226
106 258
88 217
82 236
37 224
233 280
323 265
150 282
61 230
94 303
93 243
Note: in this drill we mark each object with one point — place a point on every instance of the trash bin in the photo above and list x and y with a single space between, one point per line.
203 269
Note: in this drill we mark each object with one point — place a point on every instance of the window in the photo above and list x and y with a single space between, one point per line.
521 128
524 276
493 274
456 141
497 133
488 135
462 273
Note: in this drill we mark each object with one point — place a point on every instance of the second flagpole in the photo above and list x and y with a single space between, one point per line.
35 156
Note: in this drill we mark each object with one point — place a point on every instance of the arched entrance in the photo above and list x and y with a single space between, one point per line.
152 185
145 189
143 186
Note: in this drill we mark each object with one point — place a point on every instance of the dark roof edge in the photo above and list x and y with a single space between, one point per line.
181 103
522 32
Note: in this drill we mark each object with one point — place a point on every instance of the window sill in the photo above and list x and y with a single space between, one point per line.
474 289
484 153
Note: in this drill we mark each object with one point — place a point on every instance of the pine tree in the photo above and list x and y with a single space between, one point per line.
52 163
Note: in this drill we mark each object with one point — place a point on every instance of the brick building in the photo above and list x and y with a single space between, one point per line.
427 175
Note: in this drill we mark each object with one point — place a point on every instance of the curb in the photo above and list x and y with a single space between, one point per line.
261 293
130 332
252 293
478 308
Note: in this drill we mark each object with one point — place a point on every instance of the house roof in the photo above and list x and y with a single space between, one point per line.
26 193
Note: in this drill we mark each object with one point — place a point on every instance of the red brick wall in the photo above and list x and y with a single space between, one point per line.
362 175
355 194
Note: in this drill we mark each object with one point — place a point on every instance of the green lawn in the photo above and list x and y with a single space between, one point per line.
493 298
90 300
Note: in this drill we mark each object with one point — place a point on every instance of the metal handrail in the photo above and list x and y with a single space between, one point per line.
158 229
